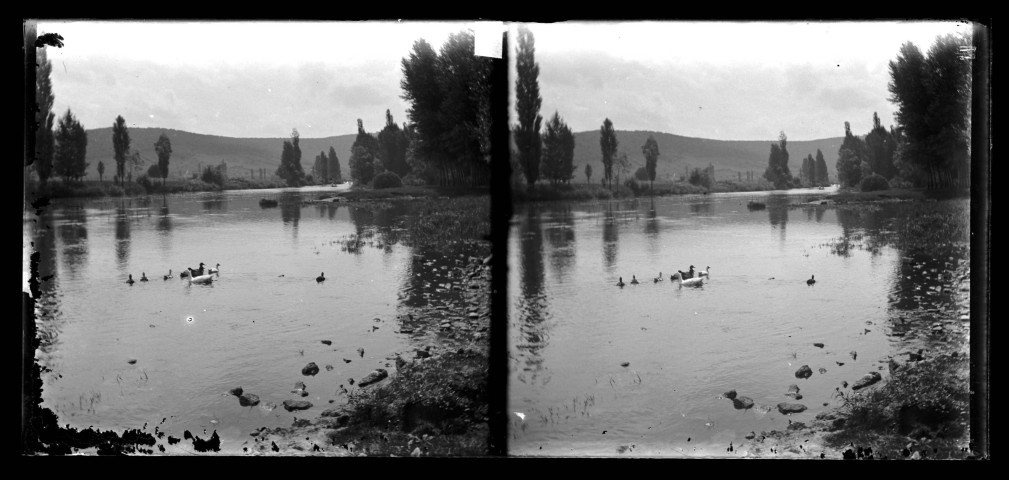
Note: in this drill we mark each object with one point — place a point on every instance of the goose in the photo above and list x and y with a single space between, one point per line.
216 269
812 280
143 276
658 278
130 280
634 280
690 282
321 278
620 282
705 272
194 278
169 274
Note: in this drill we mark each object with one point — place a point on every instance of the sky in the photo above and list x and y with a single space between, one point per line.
237 79
719 80
724 80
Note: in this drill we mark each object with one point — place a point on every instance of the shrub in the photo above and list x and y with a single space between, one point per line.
873 182
386 180
212 175
413 180
145 182
633 185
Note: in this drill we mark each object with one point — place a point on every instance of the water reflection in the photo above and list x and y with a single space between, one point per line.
561 237
610 237
701 205
122 235
214 203
74 236
533 302
777 214
290 210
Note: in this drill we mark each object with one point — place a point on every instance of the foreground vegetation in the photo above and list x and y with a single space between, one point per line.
631 189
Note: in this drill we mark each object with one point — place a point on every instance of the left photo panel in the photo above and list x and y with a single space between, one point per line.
258 238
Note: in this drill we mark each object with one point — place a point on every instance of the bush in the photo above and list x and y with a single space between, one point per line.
212 175
386 180
145 182
413 180
873 183
634 186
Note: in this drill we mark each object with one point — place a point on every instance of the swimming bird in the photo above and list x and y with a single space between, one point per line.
130 280
690 282
201 269
634 280
812 280
705 272
658 278
620 282
143 276
169 274
215 270
194 278
321 278
185 273
687 275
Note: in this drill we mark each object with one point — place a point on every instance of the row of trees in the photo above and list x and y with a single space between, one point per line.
932 94
63 152
812 172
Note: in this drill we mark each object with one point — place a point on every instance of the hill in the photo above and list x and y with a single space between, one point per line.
677 152
191 150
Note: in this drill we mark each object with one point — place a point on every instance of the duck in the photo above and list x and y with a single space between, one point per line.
201 270
634 280
194 278
688 274
185 273
705 272
658 278
216 269
143 276
169 274
321 278
620 282
130 280
812 280
690 282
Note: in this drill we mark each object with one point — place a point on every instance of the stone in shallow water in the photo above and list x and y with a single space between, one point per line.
237 391
248 400
804 372
789 408
731 394
869 379
373 377
292 405
310 369
742 403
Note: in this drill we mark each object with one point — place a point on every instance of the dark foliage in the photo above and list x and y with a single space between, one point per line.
387 180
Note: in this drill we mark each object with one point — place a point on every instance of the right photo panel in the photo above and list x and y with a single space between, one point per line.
741 239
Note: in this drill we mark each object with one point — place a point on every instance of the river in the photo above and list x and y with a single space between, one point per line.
165 353
599 370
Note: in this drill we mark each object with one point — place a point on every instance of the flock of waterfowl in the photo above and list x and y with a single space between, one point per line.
202 275
690 278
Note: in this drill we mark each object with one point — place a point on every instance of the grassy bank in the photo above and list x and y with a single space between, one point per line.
92 189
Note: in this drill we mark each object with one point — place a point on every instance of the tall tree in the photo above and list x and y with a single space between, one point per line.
608 145
71 148
101 170
821 176
319 170
558 151
290 169
526 133
449 95
879 143
651 152
852 159
121 147
932 96
362 165
163 147
588 173
392 147
777 171
333 165
44 140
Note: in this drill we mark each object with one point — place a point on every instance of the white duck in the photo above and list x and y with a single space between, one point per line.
690 282
201 279
169 274
704 273
216 269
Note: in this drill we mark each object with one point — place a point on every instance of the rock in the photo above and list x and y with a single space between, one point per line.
237 391
742 403
329 367
818 345
796 426
373 377
299 385
804 372
793 388
361 352
131 361
790 408
822 370
731 394
423 354
310 369
625 364
327 342
750 436
869 379
292 405
248 400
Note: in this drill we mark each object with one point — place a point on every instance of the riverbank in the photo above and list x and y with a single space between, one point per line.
916 403
411 192
636 189
433 399
96 189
